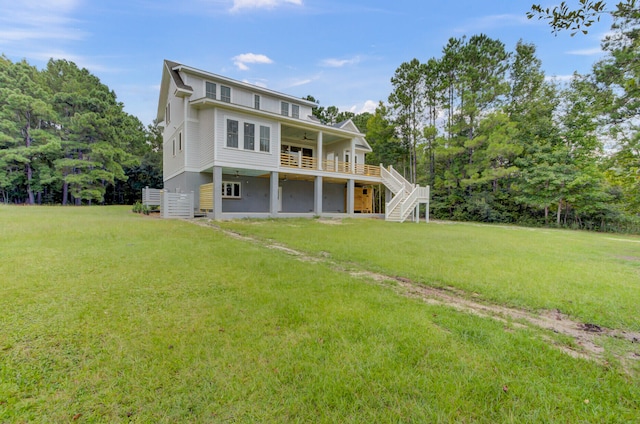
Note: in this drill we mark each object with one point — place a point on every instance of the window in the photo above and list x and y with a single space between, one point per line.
167 113
225 94
295 111
180 141
231 189
173 146
284 108
249 136
265 138
210 90
232 133
256 101
306 151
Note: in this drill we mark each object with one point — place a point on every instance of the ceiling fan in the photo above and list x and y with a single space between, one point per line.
306 138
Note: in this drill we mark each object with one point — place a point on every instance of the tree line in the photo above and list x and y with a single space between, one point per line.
65 139
495 139
499 142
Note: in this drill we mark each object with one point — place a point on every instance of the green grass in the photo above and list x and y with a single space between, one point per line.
589 276
108 316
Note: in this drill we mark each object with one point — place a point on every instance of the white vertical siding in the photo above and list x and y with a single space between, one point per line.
193 150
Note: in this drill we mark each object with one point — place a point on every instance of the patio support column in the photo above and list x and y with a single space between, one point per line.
353 156
273 194
217 192
320 154
317 198
351 184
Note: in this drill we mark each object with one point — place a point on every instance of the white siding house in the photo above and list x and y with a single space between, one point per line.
247 151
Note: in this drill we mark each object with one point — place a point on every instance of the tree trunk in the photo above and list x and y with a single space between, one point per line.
65 192
546 214
559 212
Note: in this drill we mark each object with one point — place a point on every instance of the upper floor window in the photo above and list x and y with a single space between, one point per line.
225 94
180 141
210 90
232 133
265 138
249 136
167 113
295 111
173 147
284 108
256 101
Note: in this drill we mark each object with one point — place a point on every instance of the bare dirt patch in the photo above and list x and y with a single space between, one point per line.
584 335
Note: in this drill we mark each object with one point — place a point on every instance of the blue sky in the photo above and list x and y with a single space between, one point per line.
342 52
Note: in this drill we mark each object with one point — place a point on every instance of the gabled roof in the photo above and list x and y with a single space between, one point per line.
172 66
170 73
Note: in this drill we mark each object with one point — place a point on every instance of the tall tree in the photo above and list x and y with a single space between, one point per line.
24 115
408 103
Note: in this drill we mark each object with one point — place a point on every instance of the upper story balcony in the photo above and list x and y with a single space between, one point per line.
299 161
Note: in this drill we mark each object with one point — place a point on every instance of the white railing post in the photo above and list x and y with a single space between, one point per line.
299 158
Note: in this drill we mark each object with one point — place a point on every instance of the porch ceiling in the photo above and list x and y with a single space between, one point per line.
306 136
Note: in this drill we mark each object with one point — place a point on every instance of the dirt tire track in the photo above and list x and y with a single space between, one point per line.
585 335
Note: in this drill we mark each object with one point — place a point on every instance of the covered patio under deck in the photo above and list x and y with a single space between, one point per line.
292 192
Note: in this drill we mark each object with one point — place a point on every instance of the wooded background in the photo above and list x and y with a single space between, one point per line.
495 139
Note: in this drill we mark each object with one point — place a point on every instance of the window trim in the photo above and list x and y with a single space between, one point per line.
248 139
232 184
207 92
268 139
256 101
180 146
224 98
295 111
284 108
237 134
240 135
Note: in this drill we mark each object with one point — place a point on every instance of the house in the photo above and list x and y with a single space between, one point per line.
247 151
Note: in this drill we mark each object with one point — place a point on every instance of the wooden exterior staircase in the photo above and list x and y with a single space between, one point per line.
406 196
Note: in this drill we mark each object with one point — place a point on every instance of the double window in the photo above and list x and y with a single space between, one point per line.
248 136
231 190
210 90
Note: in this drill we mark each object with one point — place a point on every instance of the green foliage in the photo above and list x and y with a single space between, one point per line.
498 143
63 136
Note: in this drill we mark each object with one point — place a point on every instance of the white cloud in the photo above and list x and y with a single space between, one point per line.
298 83
242 60
368 106
46 20
586 52
339 63
261 4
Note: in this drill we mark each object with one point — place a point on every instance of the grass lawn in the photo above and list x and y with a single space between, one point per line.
109 316
590 276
